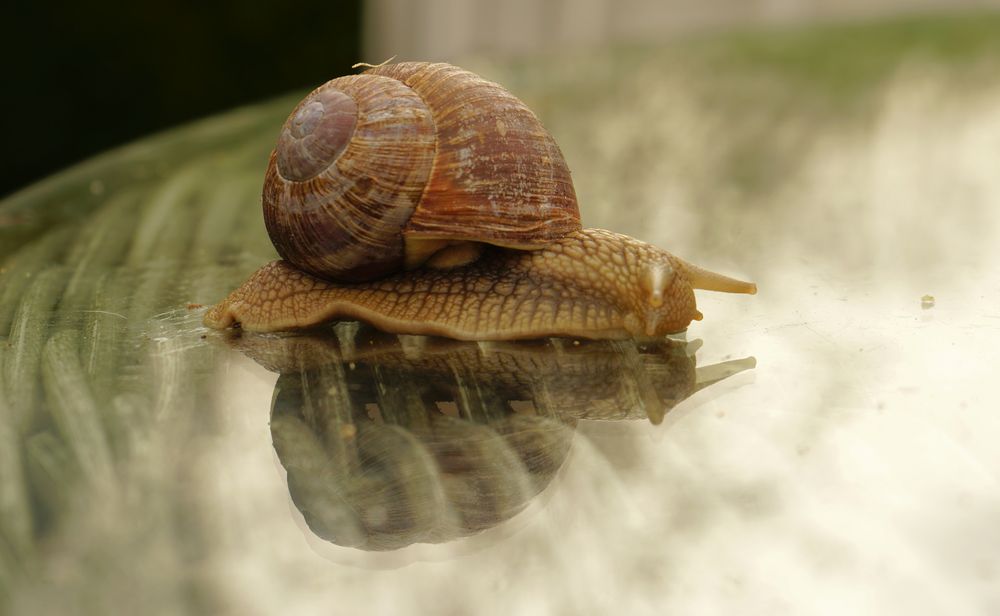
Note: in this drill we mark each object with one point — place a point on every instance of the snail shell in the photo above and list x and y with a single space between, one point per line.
374 173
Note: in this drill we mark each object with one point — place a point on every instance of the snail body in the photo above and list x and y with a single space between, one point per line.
591 284
425 200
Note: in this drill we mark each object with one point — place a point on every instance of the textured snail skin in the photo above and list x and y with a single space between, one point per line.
590 284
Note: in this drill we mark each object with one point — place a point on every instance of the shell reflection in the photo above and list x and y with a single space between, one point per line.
393 440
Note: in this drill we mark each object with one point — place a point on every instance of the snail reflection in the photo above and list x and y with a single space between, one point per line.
393 440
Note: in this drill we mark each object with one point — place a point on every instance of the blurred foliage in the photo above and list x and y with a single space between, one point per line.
842 60
91 75
832 74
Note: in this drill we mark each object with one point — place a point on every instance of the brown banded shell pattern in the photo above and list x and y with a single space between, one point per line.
434 153
499 176
336 212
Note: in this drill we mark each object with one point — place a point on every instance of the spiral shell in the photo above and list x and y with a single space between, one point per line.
373 172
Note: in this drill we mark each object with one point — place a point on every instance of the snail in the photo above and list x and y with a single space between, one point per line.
423 199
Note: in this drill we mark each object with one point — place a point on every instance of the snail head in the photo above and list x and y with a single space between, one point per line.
665 303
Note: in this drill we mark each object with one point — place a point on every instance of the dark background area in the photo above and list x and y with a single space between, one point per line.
82 77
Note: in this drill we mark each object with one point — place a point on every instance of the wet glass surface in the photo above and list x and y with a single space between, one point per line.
833 448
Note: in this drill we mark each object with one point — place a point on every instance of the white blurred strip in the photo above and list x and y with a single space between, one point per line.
448 29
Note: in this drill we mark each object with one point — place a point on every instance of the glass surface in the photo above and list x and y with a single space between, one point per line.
832 448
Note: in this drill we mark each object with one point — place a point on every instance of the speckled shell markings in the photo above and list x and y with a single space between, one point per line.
417 151
337 211
499 176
